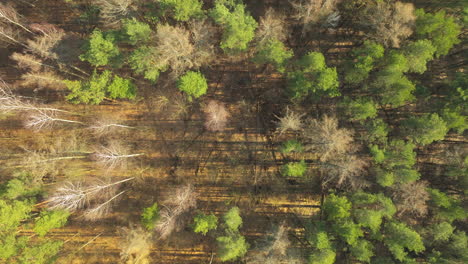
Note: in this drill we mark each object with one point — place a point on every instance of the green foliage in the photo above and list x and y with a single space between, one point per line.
349 231
425 129
377 131
377 153
384 178
233 219
326 256
203 223
400 154
274 52
183 10
238 26
363 61
399 237
291 146
371 208
360 109
232 246
336 207
455 119
448 208
100 50
121 88
439 28
150 216
294 169
49 220
313 76
142 63
441 232
10 245
317 235
88 92
362 250
418 53
95 89
12 213
136 31
21 186
193 84
43 253
394 87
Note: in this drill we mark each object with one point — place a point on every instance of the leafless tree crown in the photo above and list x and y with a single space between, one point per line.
216 116
310 12
113 156
290 121
184 199
326 138
49 35
272 26
135 246
411 198
112 11
390 22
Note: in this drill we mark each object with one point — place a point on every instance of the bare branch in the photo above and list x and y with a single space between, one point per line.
42 44
9 14
346 170
104 126
112 11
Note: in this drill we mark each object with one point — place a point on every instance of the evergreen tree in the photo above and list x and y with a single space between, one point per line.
193 84
100 49
425 129
203 223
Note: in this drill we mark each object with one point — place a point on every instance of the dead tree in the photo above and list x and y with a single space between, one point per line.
9 15
113 156
290 121
112 11
104 126
326 138
310 12
204 42
95 199
135 246
183 199
216 116
411 198
272 26
174 48
45 119
345 170
43 43
390 23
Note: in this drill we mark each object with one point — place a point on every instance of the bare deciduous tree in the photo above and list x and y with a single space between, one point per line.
135 246
174 48
183 199
326 138
411 198
43 119
113 156
272 26
203 38
390 23
216 116
112 11
43 44
310 12
273 250
347 169
290 121
94 198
